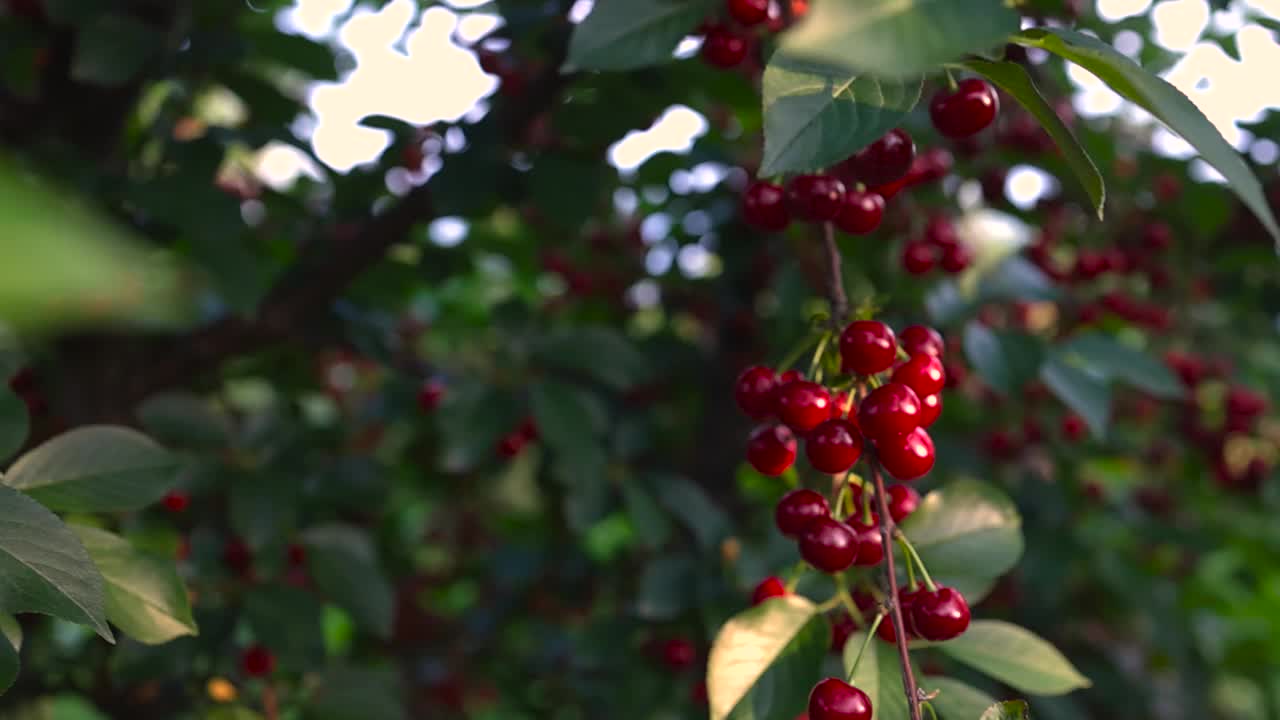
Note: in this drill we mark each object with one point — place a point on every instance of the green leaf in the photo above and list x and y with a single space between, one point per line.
816 115
9 662
967 530
779 630
11 631
666 587
232 712
1017 82
263 508
694 508
1016 657
957 700
355 694
15 422
185 419
1005 360
567 416
98 468
344 564
1162 100
599 352
651 523
1103 355
879 675
145 597
629 34
1086 392
113 50
44 566
1008 710
288 620
903 38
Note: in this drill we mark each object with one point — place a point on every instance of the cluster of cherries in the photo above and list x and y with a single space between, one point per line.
938 247
726 44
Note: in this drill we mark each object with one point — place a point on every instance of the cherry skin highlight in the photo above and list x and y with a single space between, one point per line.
890 410
754 391
771 449
867 347
966 111
802 405
908 456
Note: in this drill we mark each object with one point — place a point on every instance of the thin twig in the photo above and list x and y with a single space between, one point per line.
835 277
886 536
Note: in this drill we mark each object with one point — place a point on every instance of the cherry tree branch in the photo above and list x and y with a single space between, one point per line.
835 276
886 536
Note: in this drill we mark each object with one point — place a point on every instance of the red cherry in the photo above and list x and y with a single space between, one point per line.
828 544
511 444
890 410
840 406
930 409
886 160
176 501
802 405
940 232
1001 444
749 12
867 347
771 449
922 373
1157 236
257 661
956 258
841 628
764 206
834 446
789 376
817 198
861 213
903 500
678 653
921 340
940 615
933 164
754 391
870 542
907 456
1074 428
723 48
296 554
768 588
430 395
834 699
237 557
966 111
918 257
797 509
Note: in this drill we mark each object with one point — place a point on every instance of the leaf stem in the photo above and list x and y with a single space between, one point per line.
871 632
909 686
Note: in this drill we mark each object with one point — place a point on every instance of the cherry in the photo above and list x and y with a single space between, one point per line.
817 198
903 500
834 446
930 409
797 509
1073 428
918 257
723 48
237 556
678 653
768 588
296 554
907 456
412 157
867 347
966 111
840 406
870 542
922 373
754 391
940 232
828 544
176 501
1157 236
940 615
835 699
890 410
802 405
789 376
921 340
511 444
841 628
861 213
430 395
886 160
956 258
764 206
257 661
771 449
749 12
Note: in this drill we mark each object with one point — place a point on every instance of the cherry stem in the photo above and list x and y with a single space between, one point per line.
886 537
951 79
913 557
871 632
270 706
816 363
835 277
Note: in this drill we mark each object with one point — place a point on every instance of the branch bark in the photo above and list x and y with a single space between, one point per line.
835 276
909 685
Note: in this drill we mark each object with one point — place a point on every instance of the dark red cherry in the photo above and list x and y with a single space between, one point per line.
749 12
723 48
919 257
921 340
768 588
176 501
1074 428
940 615
835 699
833 446
908 456
861 213
764 206
829 545
257 661
903 500
802 405
956 258
840 406
678 653
930 409
870 542
867 347
771 449
797 508
966 111
817 198
789 376
430 395
890 410
884 161
922 373
754 391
